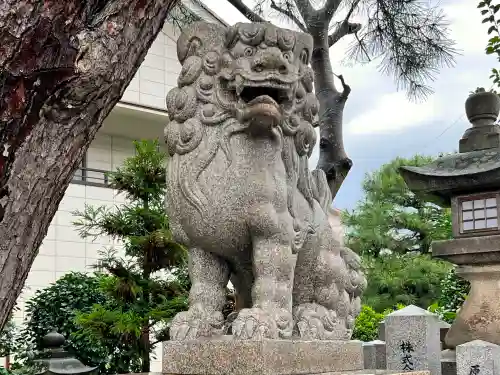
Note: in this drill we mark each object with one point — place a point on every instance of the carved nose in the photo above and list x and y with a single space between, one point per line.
270 60
258 67
283 69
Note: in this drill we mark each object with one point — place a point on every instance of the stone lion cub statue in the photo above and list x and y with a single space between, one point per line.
240 194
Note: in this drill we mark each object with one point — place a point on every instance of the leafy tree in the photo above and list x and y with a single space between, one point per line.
408 38
410 279
454 291
390 217
59 79
55 307
143 301
489 10
393 229
8 339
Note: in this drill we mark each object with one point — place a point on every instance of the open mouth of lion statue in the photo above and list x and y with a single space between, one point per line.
263 103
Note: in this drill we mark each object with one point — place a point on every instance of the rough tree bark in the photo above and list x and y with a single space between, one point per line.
63 66
333 158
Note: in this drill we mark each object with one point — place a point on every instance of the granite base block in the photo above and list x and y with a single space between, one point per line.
376 372
267 357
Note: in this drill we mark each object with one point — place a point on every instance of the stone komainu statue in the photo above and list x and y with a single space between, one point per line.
240 195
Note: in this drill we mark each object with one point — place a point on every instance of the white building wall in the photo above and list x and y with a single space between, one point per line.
158 73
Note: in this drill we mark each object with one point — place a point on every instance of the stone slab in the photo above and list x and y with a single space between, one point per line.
478 358
266 357
376 372
361 372
375 355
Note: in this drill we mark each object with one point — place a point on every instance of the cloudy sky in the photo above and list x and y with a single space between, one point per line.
380 123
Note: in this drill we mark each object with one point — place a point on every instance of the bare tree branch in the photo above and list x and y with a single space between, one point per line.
305 8
330 8
246 11
345 27
346 89
288 13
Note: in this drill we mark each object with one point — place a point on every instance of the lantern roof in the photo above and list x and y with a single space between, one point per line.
59 361
451 175
475 168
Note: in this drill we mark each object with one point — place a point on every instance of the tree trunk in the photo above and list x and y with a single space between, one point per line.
63 66
145 346
332 157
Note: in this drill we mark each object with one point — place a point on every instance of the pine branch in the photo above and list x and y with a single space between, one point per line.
246 11
345 28
412 40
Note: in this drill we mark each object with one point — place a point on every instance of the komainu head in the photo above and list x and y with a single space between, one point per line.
251 72
262 67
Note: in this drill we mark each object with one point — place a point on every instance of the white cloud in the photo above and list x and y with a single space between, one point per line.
466 27
392 112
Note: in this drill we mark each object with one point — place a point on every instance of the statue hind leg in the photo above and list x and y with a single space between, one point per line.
273 265
209 276
322 305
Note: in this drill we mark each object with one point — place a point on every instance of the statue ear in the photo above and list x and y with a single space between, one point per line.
199 38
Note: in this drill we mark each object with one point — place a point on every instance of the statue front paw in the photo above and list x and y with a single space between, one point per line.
196 323
258 324
315 322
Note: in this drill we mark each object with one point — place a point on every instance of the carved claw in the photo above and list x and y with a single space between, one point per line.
258 324
195 323
315 322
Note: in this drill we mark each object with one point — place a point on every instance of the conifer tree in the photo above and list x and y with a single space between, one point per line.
144 293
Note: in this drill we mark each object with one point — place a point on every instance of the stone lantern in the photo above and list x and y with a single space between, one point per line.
60 361
469 183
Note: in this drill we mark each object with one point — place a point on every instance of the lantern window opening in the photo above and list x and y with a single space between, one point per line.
479 213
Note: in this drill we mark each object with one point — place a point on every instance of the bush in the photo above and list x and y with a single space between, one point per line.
367 323
54 308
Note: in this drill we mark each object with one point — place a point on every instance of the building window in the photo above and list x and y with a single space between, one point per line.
479 213
90 176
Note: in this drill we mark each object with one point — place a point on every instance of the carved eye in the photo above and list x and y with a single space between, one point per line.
249 51
304 56
287 56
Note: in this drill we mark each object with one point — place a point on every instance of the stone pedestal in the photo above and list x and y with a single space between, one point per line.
478 260
267 357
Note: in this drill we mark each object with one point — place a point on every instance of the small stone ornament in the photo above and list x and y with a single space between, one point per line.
59 361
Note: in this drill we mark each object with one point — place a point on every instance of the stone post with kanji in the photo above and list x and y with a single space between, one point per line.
412 341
